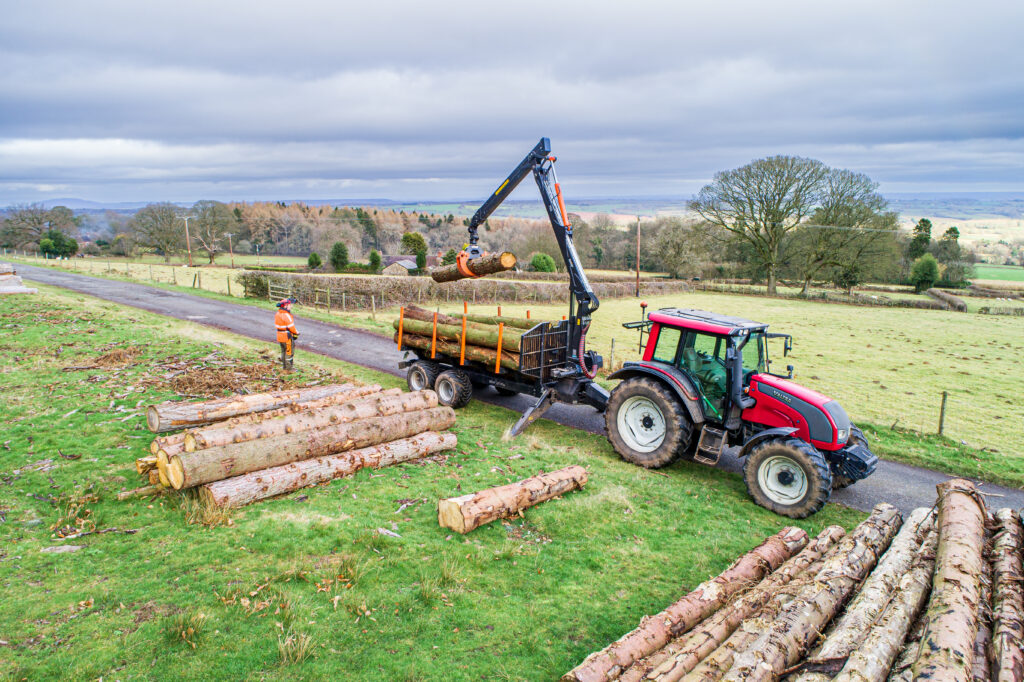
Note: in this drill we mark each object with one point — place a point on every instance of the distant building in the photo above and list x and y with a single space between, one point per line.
399 268
432 261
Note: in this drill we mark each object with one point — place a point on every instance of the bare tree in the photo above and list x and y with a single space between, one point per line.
158 227
210 226
763 201
27 224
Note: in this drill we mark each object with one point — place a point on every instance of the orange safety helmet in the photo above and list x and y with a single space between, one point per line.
286 303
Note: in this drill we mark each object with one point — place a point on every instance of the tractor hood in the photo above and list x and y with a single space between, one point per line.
826 421
792 388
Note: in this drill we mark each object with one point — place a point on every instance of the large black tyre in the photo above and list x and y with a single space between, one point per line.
646 423
838 480
422 375
453 388
788 476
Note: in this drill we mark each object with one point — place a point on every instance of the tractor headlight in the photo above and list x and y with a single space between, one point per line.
843 434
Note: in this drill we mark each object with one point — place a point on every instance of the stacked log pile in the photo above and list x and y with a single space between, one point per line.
938 596
247 448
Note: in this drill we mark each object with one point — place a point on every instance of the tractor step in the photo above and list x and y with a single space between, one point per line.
710 446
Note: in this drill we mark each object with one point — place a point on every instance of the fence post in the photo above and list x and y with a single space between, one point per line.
343 301
108 267
611 357
329 301
942 412
174 275
373 308
228 278
150 272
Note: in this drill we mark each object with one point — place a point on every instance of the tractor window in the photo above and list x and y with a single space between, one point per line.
704 360
668 342
753 354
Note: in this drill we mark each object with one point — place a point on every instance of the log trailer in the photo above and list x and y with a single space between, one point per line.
703 383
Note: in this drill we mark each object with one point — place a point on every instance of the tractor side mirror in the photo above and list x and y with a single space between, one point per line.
789 368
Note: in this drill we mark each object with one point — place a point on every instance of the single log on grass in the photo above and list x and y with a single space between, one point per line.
484 265
190 469
139 492
486 337
259 485
801 621
847 632
463 514
144 465
176 415
370 406
951 621
656 631
166 442
1007 599
486 356
873 657
683 654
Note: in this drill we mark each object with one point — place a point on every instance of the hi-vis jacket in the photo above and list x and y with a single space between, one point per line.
285 323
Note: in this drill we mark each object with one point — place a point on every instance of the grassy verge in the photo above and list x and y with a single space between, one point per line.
304 586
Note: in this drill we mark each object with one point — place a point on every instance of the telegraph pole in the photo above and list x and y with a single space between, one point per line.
231 251
188 241
638 256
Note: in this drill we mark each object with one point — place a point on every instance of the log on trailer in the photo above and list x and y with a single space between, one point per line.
414 312
656 631
800 622
951 621
487 356
1008 599
463 514
190 469
484 265
371 406
178 415
476 335
258 485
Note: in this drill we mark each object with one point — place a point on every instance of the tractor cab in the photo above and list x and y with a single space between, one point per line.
704 383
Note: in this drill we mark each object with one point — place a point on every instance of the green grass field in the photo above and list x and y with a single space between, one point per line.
1006 273
255 591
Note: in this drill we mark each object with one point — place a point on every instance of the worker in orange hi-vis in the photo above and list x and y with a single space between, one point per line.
286 331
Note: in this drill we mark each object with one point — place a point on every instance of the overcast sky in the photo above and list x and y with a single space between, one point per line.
151 101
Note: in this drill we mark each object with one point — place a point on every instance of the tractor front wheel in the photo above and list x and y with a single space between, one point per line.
788 476
646 425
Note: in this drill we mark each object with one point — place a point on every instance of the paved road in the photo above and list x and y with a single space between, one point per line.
904 486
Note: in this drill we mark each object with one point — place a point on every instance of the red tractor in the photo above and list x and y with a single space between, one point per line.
704 384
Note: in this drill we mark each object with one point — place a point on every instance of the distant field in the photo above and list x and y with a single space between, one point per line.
1006 273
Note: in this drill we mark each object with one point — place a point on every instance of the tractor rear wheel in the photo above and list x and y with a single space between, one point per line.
454 389
646 424
422 375
788 476
856 438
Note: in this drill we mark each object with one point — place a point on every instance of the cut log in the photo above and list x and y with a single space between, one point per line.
902 670
656 631
484 265
190 469
139 492
451 349
153 475
873 597
800 622
1007 599
466 512
371 406
874 655
293 408
486 337
170 416
258 485
162 465
683 654
981 668
165 441
144 465
951 621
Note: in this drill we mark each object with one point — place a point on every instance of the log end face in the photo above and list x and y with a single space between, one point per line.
190 442
449 515
153 419
176 472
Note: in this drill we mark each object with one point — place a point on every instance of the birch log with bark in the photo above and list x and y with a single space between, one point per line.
981 668
190 469
451 349
463 514
484 265
848 631
362 408
874 655
682 654
656 631
801 621
1007 599
178 415
951 621
258 485
486 337
166 441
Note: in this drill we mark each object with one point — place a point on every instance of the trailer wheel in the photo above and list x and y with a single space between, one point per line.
788 476
646 425
454 388
422 375
838 480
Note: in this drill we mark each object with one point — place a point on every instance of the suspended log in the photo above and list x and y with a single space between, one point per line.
486 356
951 621
720 661
656 631
177 415
873 657
1007 599
683 654
139 492
846 634
166 442
800 622
484 265
486 337
293 408
466 512
190 469
144 465
258 485
372 406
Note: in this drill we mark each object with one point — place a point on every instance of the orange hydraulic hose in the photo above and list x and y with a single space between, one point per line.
462 343
433 338
561 207
401 323
497 360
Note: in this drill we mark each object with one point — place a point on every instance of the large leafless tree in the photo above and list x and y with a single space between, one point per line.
159 227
